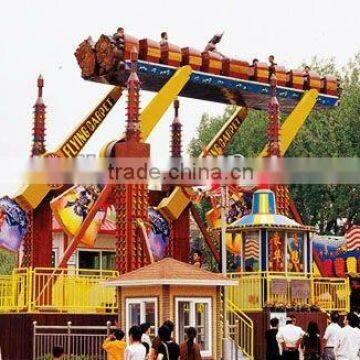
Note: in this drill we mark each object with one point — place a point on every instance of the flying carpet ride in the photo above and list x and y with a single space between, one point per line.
147 225
214 78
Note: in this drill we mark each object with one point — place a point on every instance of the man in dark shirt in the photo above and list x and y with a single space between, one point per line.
272 65
164 38
307 82
168 349
272 346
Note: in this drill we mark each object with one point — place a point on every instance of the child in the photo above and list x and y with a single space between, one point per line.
57 353
145 337
114 345
136 350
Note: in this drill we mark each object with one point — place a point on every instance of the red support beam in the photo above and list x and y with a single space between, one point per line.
205 233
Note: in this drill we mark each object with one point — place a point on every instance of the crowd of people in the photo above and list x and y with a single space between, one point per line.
141 347
290 341
212 46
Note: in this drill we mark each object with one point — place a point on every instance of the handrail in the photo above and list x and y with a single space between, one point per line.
70 290
75 271
271 274
243 329
253 292
240 312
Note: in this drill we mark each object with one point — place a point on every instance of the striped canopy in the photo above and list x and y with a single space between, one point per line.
263 214
264 202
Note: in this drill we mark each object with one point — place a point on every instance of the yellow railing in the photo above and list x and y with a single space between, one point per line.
331 294
250 293
14 291
257 290
240 329
57 290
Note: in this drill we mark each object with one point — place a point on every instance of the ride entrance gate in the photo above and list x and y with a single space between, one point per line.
78 342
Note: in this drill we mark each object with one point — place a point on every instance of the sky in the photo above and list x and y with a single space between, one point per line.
41 36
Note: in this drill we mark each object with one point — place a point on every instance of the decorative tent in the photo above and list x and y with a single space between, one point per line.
269 241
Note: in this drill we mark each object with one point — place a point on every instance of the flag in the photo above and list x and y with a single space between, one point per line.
234 243
252 248
159 233
91 232
352 237
13 224
71 208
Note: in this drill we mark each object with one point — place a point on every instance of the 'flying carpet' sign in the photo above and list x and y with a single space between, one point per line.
88 126
220 142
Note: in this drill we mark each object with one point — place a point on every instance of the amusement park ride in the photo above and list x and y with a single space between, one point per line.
147 225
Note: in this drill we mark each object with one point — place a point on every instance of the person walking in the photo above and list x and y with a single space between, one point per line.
289 337
311 342
168 349
114 345
272 345
189 350
135 350
330 336
145 337
347 341
157 341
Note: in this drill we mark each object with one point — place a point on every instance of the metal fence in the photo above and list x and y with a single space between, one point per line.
78 342
255 291
332 294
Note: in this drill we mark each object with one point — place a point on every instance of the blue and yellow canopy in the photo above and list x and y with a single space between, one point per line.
264 215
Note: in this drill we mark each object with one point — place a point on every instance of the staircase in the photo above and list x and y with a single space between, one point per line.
237 353
240 331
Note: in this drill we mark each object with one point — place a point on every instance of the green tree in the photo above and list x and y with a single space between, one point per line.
7 262
328 133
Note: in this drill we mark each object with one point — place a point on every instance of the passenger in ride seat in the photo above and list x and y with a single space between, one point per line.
307 77
272 65
211 45
164 38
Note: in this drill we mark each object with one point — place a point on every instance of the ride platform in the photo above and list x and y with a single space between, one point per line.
217 88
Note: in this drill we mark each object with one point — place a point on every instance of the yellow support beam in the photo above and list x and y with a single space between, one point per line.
225 135
153 112
173 206
149 117
31 195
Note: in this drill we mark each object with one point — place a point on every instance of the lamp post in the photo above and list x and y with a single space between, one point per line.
227 344
223 229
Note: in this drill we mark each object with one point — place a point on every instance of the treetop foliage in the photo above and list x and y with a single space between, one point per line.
326 133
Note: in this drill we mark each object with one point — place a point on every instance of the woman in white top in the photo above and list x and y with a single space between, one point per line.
145 337
136 350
